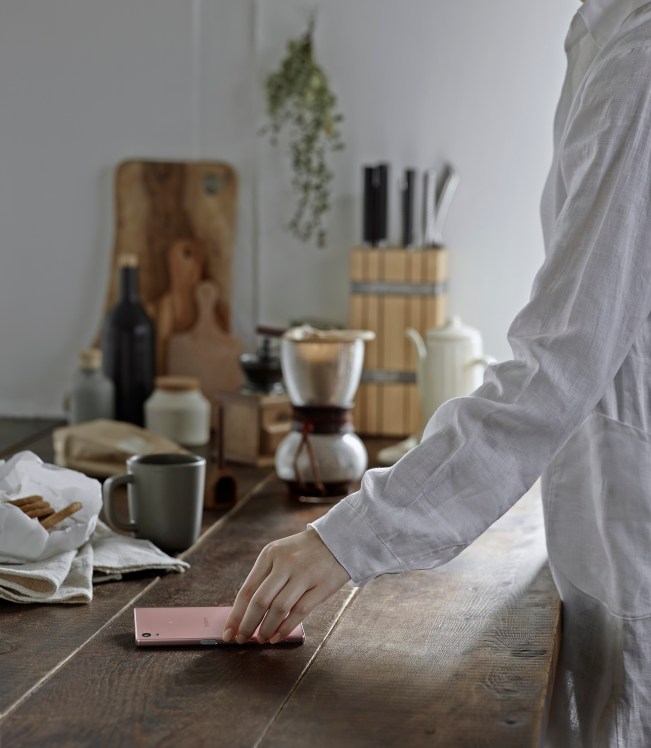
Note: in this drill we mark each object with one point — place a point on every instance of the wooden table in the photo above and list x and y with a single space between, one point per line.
460 656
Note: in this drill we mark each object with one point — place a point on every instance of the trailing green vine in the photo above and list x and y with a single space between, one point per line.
300 101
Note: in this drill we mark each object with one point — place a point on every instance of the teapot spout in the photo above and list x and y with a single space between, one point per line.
421 351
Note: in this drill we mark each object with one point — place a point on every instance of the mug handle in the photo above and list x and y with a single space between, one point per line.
110 484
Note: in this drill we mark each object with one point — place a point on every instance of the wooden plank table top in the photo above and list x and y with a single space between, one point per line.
459 656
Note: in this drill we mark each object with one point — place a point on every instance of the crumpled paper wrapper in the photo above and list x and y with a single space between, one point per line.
102 447
23 539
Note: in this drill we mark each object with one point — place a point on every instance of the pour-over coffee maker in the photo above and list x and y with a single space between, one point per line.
321 459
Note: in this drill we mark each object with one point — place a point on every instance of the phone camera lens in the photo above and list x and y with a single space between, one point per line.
146 633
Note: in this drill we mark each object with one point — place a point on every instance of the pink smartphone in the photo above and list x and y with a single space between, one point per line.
183 627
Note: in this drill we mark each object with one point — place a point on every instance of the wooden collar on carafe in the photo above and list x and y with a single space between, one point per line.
322 419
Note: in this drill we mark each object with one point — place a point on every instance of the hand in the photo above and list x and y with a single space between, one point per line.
290 578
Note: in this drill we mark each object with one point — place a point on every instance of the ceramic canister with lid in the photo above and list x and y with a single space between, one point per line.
178 410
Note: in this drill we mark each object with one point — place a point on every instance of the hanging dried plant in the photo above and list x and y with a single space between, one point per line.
300 101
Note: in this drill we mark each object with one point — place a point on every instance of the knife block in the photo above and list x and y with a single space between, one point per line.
393 289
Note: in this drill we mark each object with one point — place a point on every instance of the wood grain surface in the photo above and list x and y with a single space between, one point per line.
391 408
36 639
20 433
195 697
439 658
158 202
459 656
205 350
178 218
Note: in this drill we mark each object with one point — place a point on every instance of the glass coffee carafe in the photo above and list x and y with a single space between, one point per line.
322 458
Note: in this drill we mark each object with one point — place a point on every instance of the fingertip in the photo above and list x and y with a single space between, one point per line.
229 633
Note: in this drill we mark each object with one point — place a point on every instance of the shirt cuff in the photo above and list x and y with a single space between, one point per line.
354 543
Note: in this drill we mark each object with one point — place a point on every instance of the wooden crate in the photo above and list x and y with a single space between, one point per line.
254 425
393 289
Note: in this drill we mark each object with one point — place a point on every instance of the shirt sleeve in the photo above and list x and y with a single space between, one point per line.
589 301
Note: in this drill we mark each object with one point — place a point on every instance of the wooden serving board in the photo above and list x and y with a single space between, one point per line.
206 351
158 203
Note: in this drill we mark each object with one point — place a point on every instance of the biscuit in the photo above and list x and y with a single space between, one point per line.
33 506
36 511
26 500
57 517
29 507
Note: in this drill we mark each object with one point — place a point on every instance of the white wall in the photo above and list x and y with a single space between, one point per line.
85 84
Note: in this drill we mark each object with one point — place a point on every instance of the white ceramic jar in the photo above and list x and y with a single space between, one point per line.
179 411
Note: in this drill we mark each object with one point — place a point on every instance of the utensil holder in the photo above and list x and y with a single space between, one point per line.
393 289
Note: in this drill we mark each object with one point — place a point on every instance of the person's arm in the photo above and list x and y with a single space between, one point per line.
480 453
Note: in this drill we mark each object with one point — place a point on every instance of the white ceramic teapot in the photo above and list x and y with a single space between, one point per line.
451 363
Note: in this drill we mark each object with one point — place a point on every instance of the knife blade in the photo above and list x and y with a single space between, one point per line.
443 202
407 193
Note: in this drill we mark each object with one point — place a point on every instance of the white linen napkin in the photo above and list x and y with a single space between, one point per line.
59 578
69 577
114 555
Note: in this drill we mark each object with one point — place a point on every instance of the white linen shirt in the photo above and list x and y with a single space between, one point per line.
574 403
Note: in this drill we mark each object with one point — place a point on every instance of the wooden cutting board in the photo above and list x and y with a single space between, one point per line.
158 203
206 351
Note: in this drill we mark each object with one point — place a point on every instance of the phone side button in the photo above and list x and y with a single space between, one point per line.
208 642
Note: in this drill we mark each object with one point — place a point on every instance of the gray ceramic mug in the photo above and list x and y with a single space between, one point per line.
165 499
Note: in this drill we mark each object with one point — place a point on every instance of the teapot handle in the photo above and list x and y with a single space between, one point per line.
417 339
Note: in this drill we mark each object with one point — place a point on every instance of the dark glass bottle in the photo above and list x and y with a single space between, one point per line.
128 344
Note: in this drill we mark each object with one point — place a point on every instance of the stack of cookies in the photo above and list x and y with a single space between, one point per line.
39 509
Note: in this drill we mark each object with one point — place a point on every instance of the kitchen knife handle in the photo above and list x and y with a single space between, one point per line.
408 187
382 215
368 229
